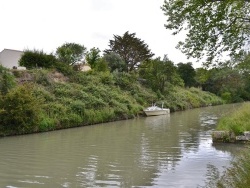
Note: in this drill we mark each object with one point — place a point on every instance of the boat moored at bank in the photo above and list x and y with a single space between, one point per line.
156 111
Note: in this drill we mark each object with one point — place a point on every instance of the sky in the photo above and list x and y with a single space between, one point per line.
48 24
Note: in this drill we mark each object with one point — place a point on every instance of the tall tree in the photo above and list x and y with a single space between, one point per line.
213 26
132 49
187 73
70 53
201 76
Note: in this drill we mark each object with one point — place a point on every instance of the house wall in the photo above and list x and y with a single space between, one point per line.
9 58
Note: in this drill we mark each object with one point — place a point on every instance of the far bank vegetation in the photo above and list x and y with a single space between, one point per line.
53 93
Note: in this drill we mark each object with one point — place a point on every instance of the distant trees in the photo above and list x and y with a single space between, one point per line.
131 49
70 53
37 58
160 75
201 76
227 83
187 73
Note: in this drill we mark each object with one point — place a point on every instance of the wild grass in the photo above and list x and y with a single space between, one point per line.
238 175
185 98
84 98
238 121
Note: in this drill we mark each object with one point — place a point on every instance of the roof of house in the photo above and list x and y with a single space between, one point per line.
10 50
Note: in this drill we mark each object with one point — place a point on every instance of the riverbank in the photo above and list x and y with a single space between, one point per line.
45 100
234 127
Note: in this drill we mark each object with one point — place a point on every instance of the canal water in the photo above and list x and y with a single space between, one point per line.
175 150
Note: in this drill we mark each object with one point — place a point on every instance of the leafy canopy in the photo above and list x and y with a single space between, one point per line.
187 73
160 74
213 26
70 53
115 62
131 49
93 56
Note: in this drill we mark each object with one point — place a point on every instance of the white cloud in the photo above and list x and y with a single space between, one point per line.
47 24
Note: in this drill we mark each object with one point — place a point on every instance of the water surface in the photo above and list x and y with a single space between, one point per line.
164 151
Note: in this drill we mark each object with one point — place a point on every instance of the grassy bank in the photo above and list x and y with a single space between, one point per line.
237 122
238 175
45 100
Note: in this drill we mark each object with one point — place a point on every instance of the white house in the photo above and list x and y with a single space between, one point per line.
9 58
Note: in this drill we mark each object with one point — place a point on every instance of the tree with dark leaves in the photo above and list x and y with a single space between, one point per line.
131 49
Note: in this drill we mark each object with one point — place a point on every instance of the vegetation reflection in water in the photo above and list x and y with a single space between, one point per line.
163 151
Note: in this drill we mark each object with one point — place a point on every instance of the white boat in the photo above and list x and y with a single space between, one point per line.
156 111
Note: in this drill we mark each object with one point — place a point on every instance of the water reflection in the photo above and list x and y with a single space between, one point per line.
163 151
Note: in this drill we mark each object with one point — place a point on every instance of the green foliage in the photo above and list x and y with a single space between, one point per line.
101 65
187 73
226 96
7 80
66 69
160 75
131 49
115 62
244 68
237 122
35 59
213 26
83 98
41 77
92 57
226 80
181 99
124 80
70 53
106 78
20 111
201 76
47 123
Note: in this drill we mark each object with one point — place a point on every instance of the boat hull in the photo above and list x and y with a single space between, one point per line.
157 112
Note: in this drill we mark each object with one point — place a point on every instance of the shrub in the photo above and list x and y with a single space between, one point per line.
47 124
226 96
20 111
66 69
7 80
34 59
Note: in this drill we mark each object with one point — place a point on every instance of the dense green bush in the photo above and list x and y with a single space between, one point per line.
185 98
36 59
20 111
64 68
